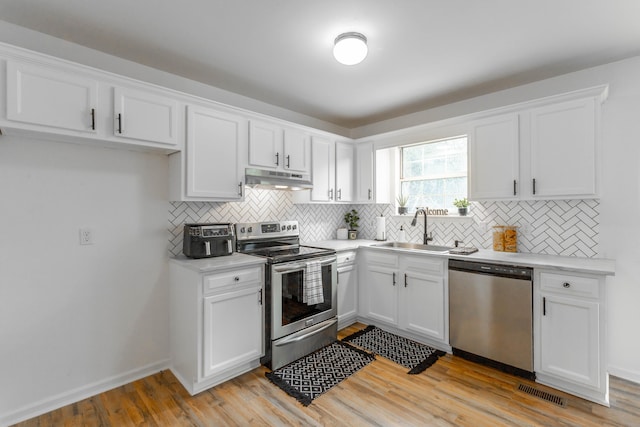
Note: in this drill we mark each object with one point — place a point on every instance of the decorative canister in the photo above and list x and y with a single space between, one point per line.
498 238
511 238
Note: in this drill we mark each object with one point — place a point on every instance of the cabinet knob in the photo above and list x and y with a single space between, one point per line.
237 279
566 285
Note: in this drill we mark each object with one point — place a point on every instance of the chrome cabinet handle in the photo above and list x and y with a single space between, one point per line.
405 280
534 186
544 306
394 278
288 161
119 123
514 187
93 119
369 194
331 194
339 194
240 188
277 159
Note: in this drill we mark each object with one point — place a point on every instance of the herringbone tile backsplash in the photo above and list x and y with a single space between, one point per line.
556 227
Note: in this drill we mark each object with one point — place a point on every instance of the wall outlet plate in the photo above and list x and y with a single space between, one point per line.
86 236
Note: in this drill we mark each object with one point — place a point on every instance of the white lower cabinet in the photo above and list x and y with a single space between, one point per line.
406 292
216 324
570 332
347 288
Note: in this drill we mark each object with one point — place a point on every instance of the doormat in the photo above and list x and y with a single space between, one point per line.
310 376
405 352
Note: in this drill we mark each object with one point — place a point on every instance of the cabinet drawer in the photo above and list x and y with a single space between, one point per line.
570 284
232 278
346 258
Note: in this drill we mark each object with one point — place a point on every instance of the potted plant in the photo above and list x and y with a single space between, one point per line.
402 204
352 218
462 205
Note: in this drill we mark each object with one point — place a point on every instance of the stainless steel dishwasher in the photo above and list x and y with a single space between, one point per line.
491 315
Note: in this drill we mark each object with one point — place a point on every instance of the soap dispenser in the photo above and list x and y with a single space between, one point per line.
401 235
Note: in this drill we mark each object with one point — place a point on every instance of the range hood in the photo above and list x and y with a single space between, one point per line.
276 180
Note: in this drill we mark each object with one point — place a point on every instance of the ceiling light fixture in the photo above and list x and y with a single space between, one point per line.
350 48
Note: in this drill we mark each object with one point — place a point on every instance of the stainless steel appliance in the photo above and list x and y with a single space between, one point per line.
208 240
491 315
277 180
295 325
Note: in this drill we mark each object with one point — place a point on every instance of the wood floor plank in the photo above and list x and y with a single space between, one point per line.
453 392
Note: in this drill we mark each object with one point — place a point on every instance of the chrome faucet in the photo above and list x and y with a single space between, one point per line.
426 238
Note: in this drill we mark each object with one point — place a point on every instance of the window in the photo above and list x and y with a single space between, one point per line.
434 174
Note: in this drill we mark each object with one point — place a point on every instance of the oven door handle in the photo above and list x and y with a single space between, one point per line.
307 332
290 267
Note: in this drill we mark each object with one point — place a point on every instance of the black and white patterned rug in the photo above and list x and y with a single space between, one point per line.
410 354
310 376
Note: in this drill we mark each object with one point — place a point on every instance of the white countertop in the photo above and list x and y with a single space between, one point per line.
206 265
341 245
584 265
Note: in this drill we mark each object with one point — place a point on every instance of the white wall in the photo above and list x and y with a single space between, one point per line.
76 319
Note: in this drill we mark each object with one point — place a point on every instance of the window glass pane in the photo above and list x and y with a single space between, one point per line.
434 173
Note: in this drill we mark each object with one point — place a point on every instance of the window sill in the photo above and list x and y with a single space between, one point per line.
439 218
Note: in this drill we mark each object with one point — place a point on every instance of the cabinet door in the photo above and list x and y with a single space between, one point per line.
50 97
265 145
381 296
347 292
422 304
563 149
494 158
215 143
145 116
570 340
232 329
364 172
322 170
297 151
344 172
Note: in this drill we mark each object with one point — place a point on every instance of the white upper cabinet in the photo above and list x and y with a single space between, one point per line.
365 191
273 147
213 163
563 149
146 116
297 151
547 149
344 171
494 158
322 170
50 97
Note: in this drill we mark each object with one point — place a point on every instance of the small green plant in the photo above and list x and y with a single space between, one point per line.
402 200
352 218
461 203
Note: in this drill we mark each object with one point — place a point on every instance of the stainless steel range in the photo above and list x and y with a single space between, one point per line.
300 290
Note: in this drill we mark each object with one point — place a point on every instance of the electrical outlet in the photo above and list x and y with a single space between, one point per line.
86 236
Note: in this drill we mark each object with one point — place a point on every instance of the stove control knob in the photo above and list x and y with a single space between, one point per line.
250 230
288 227
294 227
242 229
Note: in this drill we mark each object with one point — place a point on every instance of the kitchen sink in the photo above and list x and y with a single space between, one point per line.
415 246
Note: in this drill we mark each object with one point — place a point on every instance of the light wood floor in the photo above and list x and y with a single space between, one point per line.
451 392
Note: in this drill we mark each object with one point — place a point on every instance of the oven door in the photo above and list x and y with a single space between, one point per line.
289 312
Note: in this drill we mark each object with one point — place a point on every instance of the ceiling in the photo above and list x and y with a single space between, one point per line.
422 53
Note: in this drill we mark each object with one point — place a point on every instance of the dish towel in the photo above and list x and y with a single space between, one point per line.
312 292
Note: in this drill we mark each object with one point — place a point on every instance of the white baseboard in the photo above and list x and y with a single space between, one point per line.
625 374
80 393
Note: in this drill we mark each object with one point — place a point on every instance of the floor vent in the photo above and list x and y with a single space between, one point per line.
557 400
